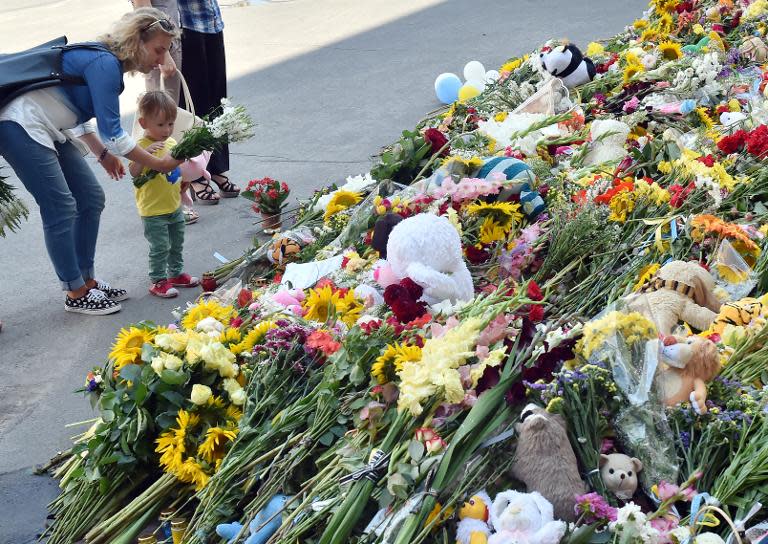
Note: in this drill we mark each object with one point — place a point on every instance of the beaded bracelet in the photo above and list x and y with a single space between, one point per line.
103 154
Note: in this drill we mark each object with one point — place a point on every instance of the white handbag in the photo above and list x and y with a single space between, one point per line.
185 118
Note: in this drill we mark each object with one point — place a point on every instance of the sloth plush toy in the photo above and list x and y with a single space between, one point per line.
567 63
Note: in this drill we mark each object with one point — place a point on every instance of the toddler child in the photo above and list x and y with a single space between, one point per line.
159 201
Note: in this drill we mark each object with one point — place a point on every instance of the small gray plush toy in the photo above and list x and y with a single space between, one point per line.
545 462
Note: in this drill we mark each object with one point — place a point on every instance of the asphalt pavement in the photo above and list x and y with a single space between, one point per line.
328 82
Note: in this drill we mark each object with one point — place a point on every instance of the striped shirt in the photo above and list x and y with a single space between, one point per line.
201 16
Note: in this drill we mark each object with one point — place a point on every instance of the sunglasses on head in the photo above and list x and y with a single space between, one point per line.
165 24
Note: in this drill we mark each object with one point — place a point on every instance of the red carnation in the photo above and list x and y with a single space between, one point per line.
733 143
402 299
536 313
244 297
414 289
534 291
757 141
709 161
436 140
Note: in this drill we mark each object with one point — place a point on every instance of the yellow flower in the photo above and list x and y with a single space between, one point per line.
502 212
632 70
219 358
392 360
649 35
499 117
648 272
200 394
254 336
213 447
621 205
511 66
230 336
705 118
208 308
325 303
666 24
555 405
594 49
633 327
191 472
173 341
491 231
670 50
341 200
640 24
128 345
436 372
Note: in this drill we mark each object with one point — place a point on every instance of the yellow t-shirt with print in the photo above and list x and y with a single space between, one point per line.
157 196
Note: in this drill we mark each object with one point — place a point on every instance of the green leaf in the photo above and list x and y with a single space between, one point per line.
327 439
416 450
338 430
108 416
174 398
173 377
166 420
148 351
398 486
357 376
103 485
131 373
140 393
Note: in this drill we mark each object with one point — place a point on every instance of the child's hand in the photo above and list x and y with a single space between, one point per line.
154 146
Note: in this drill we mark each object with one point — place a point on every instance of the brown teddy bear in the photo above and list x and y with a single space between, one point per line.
545 462
687 364
619 473
680 291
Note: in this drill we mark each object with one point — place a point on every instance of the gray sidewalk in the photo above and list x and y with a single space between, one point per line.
328 82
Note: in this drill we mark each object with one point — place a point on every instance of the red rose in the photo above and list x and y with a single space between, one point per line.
284 187
414 289
208 283
476 256
436 140
244 297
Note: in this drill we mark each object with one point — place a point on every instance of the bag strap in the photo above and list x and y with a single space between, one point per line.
188 104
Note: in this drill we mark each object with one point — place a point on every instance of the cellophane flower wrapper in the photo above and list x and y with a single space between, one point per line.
633 357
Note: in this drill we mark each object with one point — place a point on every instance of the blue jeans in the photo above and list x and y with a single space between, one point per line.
69 196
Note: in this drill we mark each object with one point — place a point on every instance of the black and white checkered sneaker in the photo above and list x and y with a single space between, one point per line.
94 302
113 293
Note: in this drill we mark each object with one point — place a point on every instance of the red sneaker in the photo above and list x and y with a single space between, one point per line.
184 280
164 289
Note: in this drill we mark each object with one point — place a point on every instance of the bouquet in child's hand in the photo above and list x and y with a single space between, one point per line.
233 125
268 195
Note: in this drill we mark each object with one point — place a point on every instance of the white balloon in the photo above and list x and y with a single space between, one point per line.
474 70
492 75
478 84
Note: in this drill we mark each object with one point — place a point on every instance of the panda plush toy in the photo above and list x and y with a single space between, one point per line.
567 63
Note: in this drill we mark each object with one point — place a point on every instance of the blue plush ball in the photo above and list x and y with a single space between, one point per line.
447 87
174 175
513 169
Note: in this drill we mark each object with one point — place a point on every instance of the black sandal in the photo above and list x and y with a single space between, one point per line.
206 195
227 189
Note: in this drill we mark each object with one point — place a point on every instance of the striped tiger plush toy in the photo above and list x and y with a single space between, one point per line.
740 313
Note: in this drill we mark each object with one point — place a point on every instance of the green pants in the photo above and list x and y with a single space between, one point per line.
165 234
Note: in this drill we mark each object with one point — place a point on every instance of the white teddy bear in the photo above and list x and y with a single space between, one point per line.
609 137
524 518
427 249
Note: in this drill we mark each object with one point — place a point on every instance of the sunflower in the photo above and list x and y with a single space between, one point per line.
213 447
646 274
649 35
340 201
171 444
640 24
192 472
491 231
208 308
325 303
504 213
392 360
670 50
631 70
128 345
230 336
254 336
511 66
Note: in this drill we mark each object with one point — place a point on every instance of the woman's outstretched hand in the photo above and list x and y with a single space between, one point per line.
114 166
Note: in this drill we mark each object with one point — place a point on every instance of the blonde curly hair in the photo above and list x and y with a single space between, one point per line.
127 37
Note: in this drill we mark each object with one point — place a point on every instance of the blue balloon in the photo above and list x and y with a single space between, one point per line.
447 87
